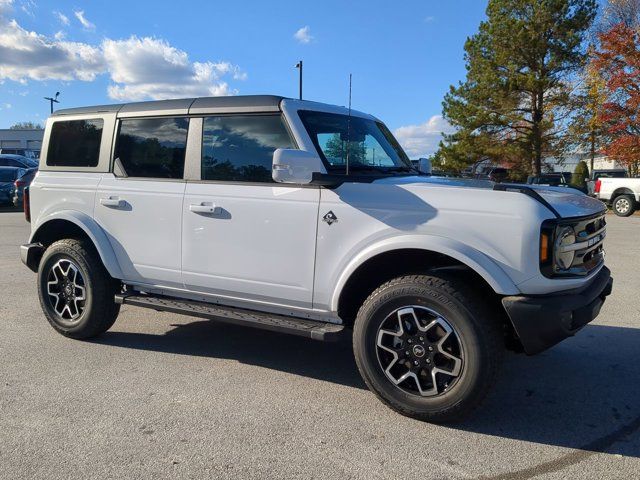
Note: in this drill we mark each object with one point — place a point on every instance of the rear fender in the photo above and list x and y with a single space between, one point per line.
89 226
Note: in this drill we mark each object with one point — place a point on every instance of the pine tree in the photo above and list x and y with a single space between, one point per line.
515 102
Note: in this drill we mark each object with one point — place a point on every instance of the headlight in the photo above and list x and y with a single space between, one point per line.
565 236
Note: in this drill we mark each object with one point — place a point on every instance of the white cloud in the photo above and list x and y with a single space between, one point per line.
140 68
429 19
143 68
86 24
303 35
29 55
5 106
5 5
422 140
62 17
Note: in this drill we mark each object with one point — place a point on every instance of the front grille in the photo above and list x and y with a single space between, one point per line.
589 245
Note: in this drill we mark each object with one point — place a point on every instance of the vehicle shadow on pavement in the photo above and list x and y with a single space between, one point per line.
582 394
328 361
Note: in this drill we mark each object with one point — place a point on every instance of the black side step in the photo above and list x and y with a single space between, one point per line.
267 321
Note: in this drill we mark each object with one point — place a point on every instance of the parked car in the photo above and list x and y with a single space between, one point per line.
8 176
24 152
560 179
609 173
249 210
20 184
498 174
551 179
7 160
622 194
604 173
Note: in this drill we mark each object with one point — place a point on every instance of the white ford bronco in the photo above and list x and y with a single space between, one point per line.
309 219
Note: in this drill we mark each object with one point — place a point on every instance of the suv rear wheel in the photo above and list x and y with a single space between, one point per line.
76 291
624 205
427 347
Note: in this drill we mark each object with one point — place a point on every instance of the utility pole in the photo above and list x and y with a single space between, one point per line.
53 100
299 67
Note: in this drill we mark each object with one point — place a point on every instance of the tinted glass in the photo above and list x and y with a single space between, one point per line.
153 147
75 143
368 143
8 174
9 162
240 148
16 161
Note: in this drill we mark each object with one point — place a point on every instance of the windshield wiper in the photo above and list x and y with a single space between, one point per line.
365 168
401 169
360 167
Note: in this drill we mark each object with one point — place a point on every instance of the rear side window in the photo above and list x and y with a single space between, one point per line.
153 147
240 148
75 143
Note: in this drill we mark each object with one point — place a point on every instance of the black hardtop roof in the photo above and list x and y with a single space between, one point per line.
231 103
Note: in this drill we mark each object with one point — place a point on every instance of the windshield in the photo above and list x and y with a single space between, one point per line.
369 144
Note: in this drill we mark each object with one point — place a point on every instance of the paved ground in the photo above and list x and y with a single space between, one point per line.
167 396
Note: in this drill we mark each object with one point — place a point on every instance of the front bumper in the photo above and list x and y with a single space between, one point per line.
30 255
541 321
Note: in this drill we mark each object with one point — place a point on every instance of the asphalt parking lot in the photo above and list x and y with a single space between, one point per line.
166 396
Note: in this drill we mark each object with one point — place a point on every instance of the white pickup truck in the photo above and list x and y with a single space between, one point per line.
623 194
309 219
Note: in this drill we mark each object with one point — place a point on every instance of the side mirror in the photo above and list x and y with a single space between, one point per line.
295 166
424 166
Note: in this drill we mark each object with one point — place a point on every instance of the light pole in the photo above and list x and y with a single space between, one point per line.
53 100
299 66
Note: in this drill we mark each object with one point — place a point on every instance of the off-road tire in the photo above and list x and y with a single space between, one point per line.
100 310
472 320
624 205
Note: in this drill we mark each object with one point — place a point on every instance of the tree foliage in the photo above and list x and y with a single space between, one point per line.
26 126
512 107
618 62
580 174
586 130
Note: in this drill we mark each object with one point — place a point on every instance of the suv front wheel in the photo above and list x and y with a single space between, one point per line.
76 291
427 347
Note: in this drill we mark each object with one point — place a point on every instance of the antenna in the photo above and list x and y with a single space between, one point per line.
348 129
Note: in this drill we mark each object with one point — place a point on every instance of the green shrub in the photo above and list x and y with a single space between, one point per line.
580 174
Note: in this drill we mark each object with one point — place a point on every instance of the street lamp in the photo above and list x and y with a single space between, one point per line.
299 66
53 100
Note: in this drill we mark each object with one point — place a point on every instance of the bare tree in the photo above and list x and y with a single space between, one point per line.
620 11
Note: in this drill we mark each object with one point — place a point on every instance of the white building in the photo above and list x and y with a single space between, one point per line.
568 164
23 142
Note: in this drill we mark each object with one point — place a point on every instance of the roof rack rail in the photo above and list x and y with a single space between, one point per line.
527 190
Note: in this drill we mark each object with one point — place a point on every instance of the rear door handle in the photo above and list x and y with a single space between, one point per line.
114 202
208 208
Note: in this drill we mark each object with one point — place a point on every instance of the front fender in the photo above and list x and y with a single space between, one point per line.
93 231
474 259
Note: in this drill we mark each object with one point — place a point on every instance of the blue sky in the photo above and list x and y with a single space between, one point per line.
403 55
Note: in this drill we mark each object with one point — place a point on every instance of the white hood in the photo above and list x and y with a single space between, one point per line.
568 202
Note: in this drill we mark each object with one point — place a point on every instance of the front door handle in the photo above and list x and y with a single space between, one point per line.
114 202
207 208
